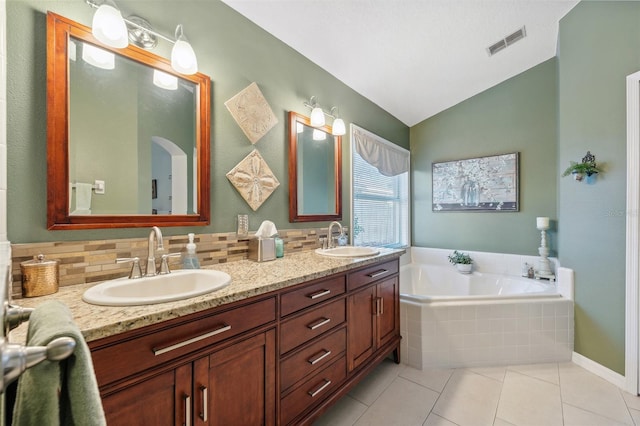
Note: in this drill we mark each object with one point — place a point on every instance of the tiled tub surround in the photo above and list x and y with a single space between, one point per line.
448 333
248 279
92 261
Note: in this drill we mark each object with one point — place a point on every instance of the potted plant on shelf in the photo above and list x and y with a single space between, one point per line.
579 170
462 261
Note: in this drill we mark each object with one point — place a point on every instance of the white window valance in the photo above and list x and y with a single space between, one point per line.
388 158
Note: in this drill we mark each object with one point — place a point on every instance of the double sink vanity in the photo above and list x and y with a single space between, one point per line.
240 343
277 344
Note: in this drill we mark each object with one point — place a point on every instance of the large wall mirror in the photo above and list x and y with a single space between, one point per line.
315 172
127 138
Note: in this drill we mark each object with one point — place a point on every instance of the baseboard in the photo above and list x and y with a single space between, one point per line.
599 370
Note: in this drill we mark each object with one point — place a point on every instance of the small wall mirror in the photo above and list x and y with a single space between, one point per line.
127 138
315 172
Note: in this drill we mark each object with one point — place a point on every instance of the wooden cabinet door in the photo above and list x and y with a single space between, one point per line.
361 326
241 383
160 400
387 320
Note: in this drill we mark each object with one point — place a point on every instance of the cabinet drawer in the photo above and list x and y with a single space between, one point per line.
311 294
313 391
313 357
298 330
131 356
372 273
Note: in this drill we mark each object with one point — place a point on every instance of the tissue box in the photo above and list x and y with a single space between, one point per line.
262 249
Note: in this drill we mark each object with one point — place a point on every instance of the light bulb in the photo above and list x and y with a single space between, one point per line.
164 80
319 135
183 58
98 57
109 27
338 128
317 117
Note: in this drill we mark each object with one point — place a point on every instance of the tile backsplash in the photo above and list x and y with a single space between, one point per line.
93 261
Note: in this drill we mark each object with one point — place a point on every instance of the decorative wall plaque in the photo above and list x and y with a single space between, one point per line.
253 179
252 112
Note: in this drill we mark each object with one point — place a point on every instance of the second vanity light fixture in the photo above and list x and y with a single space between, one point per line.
317 117
112 29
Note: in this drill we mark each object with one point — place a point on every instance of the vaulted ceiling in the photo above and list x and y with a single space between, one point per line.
413 58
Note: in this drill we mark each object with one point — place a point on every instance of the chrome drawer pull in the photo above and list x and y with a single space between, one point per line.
319 294
377 273
161 351
205 408
320 358
187 410
320 389
322 322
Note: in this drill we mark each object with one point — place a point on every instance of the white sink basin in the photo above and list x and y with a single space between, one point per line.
177 285
348 251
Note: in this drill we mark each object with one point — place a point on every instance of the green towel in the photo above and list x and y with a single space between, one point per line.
58 393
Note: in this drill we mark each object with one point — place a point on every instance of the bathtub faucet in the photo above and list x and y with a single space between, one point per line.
331 244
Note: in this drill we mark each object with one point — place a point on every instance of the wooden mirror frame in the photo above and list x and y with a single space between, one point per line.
294 216
59 30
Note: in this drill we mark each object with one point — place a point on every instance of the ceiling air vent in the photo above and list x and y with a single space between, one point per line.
507 41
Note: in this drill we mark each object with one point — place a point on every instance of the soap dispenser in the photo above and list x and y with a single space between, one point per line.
190 259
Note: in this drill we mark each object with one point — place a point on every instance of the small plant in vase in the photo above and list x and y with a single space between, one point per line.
586 168
462 261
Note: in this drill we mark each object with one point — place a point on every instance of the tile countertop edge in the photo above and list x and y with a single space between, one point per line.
248 279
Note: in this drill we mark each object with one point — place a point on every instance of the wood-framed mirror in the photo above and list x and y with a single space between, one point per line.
315 172
123 149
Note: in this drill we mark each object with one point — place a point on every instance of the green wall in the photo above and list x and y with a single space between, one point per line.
234 52
518 115
599 45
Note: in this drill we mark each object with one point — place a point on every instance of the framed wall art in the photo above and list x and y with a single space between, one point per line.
484 184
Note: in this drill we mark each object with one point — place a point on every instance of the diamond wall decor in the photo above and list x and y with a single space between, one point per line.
253 179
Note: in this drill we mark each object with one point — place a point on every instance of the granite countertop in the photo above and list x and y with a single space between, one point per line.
248 279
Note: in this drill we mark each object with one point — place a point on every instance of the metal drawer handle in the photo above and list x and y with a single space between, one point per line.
187 410
320 358
378 273
319 294
320 389
320 323
161 351
205 398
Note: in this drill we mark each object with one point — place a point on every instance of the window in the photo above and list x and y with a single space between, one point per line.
380 191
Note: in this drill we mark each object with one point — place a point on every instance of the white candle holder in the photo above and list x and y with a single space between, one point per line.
544 267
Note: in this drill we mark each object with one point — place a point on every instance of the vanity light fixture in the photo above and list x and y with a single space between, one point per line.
337 128
317 117
110 28
108 25
183 58
317 114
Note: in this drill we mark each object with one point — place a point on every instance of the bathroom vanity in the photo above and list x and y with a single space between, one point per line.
280 357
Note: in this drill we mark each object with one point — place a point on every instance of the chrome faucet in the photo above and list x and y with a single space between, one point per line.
155 236
331 244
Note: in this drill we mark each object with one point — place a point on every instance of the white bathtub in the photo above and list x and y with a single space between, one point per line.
439 283
486 318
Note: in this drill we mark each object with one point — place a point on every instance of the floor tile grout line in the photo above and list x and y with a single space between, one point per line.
586 409
626 405
495 414
440 395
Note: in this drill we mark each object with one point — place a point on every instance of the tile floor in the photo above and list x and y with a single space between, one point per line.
537 395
